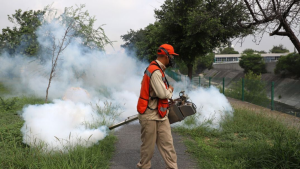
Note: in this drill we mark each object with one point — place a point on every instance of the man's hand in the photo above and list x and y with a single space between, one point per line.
171 87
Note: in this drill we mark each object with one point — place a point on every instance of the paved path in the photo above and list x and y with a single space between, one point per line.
127 152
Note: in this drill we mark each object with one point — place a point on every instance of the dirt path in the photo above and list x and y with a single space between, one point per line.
127 152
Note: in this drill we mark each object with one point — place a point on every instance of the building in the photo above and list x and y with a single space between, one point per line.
232 58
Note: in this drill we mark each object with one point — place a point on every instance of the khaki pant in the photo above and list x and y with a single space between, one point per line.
158 132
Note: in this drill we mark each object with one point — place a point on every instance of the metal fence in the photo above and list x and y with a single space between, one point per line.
280 96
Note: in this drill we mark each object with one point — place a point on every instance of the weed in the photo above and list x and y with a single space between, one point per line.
7 104
247 140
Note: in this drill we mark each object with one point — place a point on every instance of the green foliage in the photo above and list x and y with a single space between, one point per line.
3 90
130 39
249 51
109 113
253 51
83 25
22 39
279 49
261 51
246 140
7 104
254 90
253 62
288 65
204 62
200 64
194 28
143 43
228 50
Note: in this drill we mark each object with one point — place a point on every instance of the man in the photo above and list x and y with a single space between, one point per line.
153 110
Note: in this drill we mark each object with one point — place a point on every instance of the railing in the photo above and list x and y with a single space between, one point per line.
279 96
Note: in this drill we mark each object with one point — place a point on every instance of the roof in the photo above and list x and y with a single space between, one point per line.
239 55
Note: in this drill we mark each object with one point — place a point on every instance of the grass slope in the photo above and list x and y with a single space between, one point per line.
247 140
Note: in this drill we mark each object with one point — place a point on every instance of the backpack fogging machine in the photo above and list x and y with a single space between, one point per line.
179 109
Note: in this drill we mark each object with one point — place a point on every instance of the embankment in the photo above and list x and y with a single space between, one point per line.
286 90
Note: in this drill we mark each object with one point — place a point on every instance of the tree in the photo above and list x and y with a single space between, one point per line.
249 51
253 62
131 38
288 65
228 50
280 17
205 62
144 42
252 51
77 24
196 27
22 39
261 51
279 49
83 26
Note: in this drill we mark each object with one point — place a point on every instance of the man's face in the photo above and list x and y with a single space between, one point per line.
171 56
170 60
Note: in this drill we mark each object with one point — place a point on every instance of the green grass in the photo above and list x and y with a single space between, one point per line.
15 154
3 90
247 140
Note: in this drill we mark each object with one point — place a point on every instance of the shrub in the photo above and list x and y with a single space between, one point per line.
254 89
288 65
253 62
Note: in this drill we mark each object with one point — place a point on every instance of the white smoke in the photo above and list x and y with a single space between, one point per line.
114 79
87 80
61 125
212 106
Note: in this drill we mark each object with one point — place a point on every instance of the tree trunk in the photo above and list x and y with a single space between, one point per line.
291 35
190 71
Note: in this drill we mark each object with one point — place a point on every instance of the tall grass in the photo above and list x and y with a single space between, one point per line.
246 140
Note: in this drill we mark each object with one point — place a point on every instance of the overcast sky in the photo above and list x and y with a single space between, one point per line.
119 16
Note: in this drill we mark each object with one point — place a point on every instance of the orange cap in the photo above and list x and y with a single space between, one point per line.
167 47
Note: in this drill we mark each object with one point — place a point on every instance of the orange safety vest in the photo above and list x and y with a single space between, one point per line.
163 104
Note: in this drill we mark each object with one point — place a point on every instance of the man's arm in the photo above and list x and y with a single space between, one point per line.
159 86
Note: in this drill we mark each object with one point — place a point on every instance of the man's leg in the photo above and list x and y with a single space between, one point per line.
148 137
165 144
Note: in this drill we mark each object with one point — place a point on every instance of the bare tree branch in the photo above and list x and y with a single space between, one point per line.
62 44
278 17
261 9
250 10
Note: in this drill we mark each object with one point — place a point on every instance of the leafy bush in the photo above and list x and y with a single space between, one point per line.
254 90
253 62
7 104
288 65
279 49
253 51
228 50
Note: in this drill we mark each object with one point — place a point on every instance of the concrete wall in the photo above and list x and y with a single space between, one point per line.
228 66
288 89
270 66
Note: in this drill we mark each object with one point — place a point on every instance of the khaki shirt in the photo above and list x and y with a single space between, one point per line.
157 89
